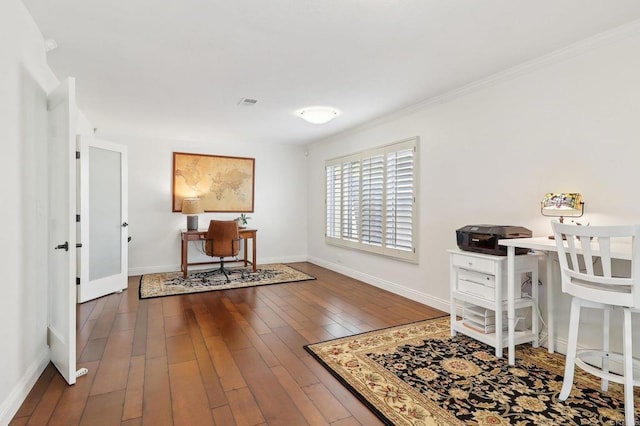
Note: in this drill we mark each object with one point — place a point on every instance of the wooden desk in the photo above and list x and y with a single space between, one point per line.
245 234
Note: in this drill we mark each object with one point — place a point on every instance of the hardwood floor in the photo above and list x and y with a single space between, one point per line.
232 357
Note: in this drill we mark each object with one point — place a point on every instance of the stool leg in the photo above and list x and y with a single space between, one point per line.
570 363
606 314
628 369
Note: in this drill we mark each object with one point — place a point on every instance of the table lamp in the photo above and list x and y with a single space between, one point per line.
562 204
192 207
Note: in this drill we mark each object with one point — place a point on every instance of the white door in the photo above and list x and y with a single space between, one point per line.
61 330
103 218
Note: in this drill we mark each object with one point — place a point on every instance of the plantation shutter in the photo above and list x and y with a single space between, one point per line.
350 200
333 200
400 188
371 202
372 199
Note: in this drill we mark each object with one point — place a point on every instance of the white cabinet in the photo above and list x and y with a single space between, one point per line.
479 288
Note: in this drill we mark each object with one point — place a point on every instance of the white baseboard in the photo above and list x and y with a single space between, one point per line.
175 268
287 259
143 270
18 394
395 288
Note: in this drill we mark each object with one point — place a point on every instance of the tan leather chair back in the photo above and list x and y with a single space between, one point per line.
222 238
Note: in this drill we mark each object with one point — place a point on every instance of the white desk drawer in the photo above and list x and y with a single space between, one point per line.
475 289
483 285
472 263
480 278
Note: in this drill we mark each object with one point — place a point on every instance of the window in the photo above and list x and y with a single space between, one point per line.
371 200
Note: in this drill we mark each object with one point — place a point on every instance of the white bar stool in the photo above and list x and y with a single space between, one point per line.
600 291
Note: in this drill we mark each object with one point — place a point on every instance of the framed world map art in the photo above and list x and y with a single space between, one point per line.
223 184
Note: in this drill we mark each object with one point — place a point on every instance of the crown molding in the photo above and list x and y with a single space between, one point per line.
615 34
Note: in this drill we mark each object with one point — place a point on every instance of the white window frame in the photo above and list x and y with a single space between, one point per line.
346 230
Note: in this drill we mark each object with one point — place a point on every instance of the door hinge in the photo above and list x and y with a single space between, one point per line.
77 218
77 281
77 155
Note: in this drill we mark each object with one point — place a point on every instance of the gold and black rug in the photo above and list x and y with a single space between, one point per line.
172 283
417 374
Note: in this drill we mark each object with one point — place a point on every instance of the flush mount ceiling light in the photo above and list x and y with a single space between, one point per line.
318 114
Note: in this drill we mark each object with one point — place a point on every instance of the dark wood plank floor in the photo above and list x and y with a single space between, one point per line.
231 357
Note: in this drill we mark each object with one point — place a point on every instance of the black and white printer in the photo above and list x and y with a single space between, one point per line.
484 238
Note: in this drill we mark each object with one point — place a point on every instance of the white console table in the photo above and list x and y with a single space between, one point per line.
543 245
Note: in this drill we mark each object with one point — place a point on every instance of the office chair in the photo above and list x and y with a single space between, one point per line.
599 290
222 240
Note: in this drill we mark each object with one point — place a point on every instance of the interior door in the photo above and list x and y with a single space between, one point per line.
103 218
61 329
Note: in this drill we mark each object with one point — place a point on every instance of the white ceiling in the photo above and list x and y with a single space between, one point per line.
176 69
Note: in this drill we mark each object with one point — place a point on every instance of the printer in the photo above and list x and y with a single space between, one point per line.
484 238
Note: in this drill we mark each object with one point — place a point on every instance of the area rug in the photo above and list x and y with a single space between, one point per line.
172 283
417 374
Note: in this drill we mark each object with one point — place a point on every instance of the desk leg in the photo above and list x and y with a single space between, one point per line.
246 241
253 257
551 329
511 311
498 311
535 323
184 256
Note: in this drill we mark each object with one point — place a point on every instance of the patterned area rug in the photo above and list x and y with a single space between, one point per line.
172 283
416 374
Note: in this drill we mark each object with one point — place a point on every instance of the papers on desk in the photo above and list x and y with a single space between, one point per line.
484 320
481 320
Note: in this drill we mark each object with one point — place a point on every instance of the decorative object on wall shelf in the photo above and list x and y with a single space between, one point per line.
192 207
223 184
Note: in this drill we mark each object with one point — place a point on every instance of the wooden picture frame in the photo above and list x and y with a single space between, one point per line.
223 184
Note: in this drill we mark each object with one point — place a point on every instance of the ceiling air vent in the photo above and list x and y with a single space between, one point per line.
247 101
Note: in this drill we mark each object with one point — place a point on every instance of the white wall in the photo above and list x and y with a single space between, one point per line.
488 155
280 202
25 79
